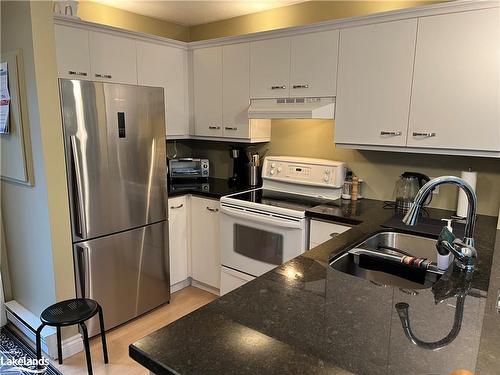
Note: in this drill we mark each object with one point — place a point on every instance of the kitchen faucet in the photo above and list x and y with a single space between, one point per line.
463 251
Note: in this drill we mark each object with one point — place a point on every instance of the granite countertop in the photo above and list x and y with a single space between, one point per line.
210 188
306 317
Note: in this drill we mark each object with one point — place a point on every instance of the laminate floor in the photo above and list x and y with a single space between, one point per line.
182 303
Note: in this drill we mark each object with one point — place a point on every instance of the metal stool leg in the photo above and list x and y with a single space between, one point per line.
59 346
87 347
39 344
103 336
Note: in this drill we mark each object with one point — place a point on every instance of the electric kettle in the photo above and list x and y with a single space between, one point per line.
407 187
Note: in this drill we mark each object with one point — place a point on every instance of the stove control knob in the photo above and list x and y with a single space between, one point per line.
272 172
326 178
279 169
327 171
273 165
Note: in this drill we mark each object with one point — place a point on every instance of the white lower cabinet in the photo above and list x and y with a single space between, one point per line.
178 239
205 249
231 279
321 231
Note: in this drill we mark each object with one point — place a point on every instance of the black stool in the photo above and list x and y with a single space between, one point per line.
68 313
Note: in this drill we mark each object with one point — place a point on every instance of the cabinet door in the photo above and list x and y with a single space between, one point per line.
113 58
374 83
236 90
205 252
314 64
72 52
178 239
322 231
270 68
207 73
165 66
456 96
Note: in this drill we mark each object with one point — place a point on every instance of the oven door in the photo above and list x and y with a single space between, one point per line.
254 241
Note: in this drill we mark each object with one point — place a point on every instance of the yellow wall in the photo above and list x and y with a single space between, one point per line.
379 169
292 15
295 15
98 13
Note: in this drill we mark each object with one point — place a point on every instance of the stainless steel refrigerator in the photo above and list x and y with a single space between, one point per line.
114 137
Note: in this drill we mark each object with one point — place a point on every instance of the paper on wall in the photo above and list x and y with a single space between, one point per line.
4 98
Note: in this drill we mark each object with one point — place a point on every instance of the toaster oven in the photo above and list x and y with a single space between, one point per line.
188 168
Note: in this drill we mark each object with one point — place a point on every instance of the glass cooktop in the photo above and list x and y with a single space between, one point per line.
280 199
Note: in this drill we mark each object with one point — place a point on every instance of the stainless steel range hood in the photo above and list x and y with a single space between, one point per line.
292 108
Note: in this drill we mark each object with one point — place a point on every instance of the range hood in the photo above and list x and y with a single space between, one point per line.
292 108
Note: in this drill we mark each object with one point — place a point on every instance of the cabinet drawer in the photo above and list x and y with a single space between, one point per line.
322 231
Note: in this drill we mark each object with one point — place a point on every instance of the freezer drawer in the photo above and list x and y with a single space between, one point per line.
127 273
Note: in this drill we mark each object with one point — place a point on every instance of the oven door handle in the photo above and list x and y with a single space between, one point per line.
259 218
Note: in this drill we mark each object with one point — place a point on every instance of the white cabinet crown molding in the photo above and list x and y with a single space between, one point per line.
423 11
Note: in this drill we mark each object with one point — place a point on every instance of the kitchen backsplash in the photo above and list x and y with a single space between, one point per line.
380 170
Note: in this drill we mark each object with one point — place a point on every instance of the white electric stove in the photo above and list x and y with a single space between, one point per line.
263 228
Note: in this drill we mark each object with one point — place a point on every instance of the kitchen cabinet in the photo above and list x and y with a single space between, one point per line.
235 90
313 70
72 53
165 66
270 68
322 231
207 77
112 58
374 83
178 239
456 96
205 251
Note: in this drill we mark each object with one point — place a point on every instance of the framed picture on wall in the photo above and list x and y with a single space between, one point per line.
15 147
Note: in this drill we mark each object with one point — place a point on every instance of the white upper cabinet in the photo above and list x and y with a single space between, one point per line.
165 66
207 77
270 68
314 64
72 52
236 90
113 58
455 96
374 83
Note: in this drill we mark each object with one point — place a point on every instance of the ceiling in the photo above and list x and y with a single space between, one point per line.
191 13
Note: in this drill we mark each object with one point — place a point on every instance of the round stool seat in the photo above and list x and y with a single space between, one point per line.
69 312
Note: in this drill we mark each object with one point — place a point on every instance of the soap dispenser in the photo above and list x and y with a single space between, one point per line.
445 258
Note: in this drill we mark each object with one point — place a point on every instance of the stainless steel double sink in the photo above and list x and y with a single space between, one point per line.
377 259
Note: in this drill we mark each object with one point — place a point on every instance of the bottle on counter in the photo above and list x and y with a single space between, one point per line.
346 189
354 188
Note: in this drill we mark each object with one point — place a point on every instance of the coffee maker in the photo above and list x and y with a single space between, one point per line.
239 162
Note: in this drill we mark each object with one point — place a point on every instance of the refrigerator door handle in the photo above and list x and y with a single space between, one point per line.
81 225
82 266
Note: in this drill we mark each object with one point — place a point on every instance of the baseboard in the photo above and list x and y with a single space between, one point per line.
180 285
27 322
205 287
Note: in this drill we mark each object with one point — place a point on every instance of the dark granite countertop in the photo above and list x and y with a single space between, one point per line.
306 317
210 188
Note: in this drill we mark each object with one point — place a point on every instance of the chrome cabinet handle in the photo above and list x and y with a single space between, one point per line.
212 209
230 128
278 87
498 302
176 207
334 234
73 73
390 133
300 86
214 127
81 223
98 75
424 134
